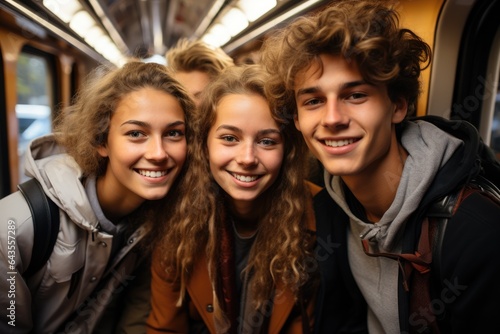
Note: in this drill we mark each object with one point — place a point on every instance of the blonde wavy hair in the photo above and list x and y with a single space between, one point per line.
366 32
281 246
195 55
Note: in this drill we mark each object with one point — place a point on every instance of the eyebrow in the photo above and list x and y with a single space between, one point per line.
236 129
315 89
147 125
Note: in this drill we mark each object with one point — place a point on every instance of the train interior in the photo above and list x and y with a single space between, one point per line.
48 46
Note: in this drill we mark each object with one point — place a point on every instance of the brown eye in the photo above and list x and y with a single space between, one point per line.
230 139
134 134
313 102
175 133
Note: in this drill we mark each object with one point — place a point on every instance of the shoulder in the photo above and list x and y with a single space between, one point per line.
313 188
469 250
324 205
478 211
15 206
18 230
14 210
159 268
471 232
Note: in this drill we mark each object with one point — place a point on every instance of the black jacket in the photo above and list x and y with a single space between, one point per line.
466 294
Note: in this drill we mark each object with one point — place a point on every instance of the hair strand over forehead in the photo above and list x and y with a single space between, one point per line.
364 31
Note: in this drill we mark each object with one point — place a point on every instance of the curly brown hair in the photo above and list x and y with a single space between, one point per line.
366 32
280 250
84 126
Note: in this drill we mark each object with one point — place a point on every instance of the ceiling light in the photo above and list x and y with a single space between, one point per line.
159 59
63 9
212 40
93 35
254 9
234 21
81 22
217 35
102 44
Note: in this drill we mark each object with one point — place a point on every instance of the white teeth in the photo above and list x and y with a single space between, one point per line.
245 178
153 174
339 143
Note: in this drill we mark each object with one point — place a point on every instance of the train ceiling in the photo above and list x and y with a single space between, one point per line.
152 26
142 28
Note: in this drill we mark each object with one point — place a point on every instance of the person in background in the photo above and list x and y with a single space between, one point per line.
238 257
114 158
349 76
195 63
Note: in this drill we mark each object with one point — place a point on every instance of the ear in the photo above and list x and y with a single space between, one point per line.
103 151
296 121
400 110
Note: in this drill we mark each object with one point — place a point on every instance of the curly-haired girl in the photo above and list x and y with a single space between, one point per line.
238 253
116 152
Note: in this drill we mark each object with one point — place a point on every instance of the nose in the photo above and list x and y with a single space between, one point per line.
156 149
335 115
247 155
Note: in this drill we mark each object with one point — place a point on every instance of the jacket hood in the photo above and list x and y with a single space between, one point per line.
442 155
463 164
61 179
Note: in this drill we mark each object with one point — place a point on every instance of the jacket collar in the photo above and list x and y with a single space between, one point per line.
201 293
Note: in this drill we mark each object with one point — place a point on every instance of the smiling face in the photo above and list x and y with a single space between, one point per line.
347 123
146 149
245 148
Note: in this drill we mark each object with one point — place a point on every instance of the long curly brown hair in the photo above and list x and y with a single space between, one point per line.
281 246
366 32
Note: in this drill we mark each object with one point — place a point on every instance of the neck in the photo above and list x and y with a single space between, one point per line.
246 217
376 188
114 204
244 227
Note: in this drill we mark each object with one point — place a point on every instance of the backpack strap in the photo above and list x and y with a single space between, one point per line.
45 216
416 268
433 229
416 273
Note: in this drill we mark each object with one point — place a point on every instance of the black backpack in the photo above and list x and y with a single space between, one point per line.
430 244
45 216
418 266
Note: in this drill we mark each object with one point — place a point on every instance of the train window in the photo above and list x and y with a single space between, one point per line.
494 68
475 96
33 109
495 129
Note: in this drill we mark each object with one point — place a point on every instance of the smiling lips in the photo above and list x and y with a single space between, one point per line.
339 143
151 173
245 178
